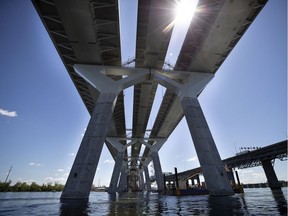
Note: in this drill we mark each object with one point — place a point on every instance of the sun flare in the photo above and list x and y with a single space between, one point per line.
185 10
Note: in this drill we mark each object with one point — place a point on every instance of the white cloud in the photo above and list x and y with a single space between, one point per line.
194 158
71 154
251 175
108 161
60 170
52 179
34 164
8 113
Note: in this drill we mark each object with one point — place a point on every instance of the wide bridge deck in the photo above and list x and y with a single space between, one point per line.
88 32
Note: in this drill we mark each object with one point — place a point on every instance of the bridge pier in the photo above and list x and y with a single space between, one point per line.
82 173
147 178
81 176
212 167
270 174
122 186
154 149
158 171
116 172
141 180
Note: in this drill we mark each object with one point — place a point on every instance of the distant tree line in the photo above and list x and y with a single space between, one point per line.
25 187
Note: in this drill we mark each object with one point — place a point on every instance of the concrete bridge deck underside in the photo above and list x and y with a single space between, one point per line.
88 33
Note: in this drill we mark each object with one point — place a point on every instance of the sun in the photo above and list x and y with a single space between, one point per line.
184 11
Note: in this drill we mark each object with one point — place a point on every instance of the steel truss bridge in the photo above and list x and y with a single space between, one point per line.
245 160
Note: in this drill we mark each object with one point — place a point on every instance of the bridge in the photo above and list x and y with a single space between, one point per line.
260 157
86 35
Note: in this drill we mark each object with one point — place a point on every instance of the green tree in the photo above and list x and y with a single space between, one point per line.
24 187
4 186
34 187
16 187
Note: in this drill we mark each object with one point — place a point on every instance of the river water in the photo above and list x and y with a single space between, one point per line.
255 201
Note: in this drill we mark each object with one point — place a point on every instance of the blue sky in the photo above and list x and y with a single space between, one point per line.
42 117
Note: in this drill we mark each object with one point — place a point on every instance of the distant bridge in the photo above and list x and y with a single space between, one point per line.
255 158
259 157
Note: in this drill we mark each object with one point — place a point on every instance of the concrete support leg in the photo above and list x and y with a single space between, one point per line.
231 177
212 167
122 186
270 174
81 176
147 178
213 170
198 180
116 172
158 171
141 180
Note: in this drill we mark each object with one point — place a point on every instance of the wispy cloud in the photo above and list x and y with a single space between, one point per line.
8 113
53 179
60 170
71 154
194 158
108 161
34 164
252 175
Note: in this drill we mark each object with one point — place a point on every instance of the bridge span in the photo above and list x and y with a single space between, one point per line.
260 157
87 35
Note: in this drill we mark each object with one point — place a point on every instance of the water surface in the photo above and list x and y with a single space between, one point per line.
258 201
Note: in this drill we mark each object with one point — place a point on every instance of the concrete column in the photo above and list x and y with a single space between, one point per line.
197 179
158 170
154 148
212 167
81 176
116 172
122 186
141 180
270 174
147 178
230 174
213 170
